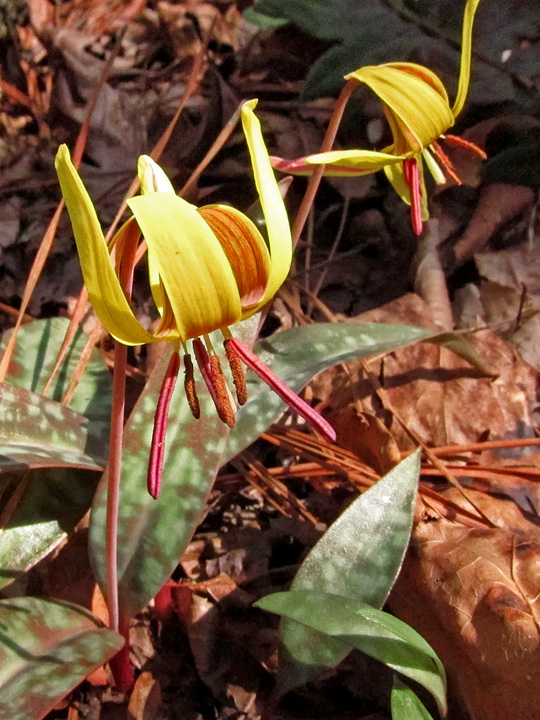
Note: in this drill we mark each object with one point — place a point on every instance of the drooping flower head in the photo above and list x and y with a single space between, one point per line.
209 268
416 106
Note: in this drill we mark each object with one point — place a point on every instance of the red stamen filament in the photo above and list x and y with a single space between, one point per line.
445 161
210 374
285 393
456 141
412 178
157 450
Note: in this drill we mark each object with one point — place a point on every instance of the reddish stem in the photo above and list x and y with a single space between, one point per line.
318 170
280 388
113 488
120 664
157 449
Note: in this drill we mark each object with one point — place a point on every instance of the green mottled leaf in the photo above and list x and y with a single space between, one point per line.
55 500
46 649
367 629
297 355
36 351
405 704
46 447
359 558
154 533
36 432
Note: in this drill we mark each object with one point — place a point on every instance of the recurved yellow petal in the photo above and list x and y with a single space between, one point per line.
466 48
152 177
420 111
362 162
196 275
245 249
277 223
104 289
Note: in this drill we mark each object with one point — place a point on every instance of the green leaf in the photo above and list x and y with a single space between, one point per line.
46 649
36 351
367 629
358 558
36 432
297 355
49 448
405 704
153 534
54 501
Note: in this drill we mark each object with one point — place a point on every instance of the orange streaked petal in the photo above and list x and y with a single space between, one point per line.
245 249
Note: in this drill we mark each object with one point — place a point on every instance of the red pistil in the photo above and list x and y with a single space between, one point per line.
215 382
278 386
457 141
157 450
445 161
412 178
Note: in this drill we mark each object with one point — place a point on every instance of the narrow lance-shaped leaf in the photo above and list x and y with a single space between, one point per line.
359 558
367 629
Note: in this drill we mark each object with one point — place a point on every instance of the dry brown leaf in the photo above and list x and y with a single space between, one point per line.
475 596
439 396
497 204
367 437
145 700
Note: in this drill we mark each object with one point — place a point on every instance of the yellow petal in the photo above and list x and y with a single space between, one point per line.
152 177
277 222
353 162
195 272
413 95
104 289
465 65
245 249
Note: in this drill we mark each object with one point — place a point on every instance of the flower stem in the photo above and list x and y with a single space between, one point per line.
113 491
318 170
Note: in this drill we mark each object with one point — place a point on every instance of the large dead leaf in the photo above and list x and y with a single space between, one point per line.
475 596
439 396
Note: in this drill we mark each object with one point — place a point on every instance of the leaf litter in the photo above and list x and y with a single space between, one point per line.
468 585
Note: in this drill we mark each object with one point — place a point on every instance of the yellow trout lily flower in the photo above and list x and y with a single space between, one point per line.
418 111
209 268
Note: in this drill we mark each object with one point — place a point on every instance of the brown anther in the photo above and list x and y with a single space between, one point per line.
221 399
237 372
189 385
445 161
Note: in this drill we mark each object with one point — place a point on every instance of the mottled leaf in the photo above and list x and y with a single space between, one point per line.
36 432
47 447
297 355
154 533
359 558
36 351
367 629
46 649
